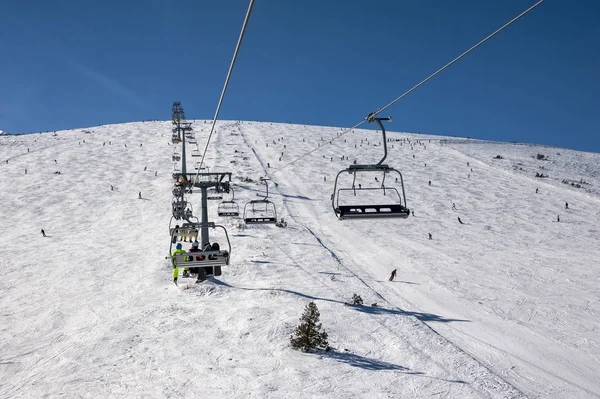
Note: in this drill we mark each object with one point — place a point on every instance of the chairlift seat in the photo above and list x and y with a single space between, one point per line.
372 211
228 213
260 220
211 258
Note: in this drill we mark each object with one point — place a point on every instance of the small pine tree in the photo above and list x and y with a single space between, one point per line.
357 300
307 335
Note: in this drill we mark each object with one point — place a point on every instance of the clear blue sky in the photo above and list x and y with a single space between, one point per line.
325 62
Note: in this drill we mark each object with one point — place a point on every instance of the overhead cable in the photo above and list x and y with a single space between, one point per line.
420 83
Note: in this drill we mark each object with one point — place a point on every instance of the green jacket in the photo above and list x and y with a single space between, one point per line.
175 253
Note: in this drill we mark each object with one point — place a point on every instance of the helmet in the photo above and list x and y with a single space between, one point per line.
195 244
178 246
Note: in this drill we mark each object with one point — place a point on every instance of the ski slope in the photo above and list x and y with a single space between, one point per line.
504 306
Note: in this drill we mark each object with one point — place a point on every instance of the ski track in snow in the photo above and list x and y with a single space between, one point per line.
505 306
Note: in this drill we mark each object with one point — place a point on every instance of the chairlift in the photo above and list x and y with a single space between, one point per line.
229 208
201 167
177 191
214 194
176 156
193 140
394 205
182 209
260 211
203 262
196 153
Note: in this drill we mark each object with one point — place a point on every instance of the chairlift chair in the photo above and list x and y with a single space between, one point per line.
260 211
176 156
394 208
214 194
229 208
196 153
182 209
201 167
204 262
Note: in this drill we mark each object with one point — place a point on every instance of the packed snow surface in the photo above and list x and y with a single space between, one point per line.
505 305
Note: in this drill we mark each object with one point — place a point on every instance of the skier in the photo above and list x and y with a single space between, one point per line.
467 164
43 233
112 188
413 212
566 203
453 206
558 218
178 250
145 167
156 173
536 190
140 195
393 275
430 236
460 221
430 182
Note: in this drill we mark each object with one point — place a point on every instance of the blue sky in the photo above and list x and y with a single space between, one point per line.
71 64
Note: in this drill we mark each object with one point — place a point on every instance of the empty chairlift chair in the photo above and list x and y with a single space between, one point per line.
196 153
229 208
260 211
370 201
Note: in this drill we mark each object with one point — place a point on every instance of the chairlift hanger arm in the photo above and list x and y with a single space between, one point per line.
372 118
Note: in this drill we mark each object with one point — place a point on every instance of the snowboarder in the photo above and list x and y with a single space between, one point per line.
393 275
430 236
43 233
413 212
566 203
140 195
460 221
145 167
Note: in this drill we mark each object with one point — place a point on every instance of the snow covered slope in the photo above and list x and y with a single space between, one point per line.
504 306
